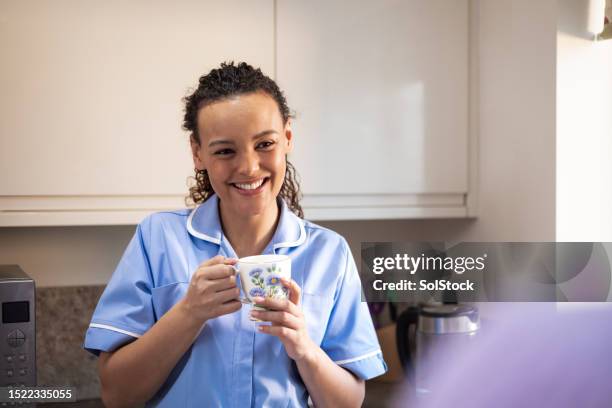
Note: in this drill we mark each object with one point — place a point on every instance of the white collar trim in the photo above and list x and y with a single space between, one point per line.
288 244
295 243
197 234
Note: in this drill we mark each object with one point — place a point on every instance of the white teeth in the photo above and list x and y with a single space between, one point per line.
252 186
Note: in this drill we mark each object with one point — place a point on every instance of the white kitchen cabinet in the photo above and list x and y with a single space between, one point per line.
91 101
380 92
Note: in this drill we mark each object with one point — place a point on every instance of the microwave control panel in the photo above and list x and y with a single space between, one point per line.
17 330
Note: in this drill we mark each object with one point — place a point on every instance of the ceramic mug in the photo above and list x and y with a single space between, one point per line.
260 276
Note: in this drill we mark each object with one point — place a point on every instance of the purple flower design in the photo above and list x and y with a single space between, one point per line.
257 292
273 280
255 272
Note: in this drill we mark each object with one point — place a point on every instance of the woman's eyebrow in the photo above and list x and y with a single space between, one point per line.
230 142
264 133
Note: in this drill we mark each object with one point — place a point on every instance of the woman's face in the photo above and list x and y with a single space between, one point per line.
243 144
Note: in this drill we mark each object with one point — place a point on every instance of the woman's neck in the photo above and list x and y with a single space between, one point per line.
249 235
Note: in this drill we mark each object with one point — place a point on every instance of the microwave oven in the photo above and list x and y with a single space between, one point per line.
17 328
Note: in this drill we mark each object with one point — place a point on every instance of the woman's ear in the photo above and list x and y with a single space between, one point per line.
195 151
289 136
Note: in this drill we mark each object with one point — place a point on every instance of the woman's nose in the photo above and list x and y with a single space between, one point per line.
248 164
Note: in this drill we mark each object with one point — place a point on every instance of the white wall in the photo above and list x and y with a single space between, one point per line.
515 97
513 105
65 256
584 129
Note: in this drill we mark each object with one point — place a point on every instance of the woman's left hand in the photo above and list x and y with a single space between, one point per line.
287 320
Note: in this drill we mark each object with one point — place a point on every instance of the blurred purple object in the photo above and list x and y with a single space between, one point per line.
529 355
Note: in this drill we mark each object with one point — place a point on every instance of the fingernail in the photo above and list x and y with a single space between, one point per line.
254 313
258 299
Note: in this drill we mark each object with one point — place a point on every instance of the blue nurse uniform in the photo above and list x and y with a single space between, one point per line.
230 364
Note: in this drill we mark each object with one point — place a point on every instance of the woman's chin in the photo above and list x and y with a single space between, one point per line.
250 207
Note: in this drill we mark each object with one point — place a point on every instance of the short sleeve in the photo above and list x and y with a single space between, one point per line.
350 339
125 310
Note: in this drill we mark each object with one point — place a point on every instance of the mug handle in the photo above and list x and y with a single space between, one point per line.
243 300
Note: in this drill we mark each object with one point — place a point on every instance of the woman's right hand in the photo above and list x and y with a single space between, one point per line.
212 291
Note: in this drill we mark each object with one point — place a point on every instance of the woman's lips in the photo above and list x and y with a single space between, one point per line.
251 191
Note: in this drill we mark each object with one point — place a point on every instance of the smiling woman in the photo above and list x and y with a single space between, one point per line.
171 316
240 102
244 156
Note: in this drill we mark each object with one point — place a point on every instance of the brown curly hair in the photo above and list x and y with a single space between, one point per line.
221 83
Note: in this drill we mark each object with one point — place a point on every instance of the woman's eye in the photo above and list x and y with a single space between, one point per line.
265 145
223 152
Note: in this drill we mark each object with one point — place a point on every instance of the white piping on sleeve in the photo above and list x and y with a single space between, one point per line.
107 327
364 356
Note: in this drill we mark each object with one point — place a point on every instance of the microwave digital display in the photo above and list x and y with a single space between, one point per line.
15 312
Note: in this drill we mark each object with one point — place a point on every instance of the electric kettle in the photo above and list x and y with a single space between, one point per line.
441 332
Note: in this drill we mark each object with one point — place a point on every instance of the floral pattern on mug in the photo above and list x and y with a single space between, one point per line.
273 280
267 283
274 289
257 292
256 278
255 273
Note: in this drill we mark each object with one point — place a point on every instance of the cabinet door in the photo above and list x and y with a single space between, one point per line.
91 99
380 92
